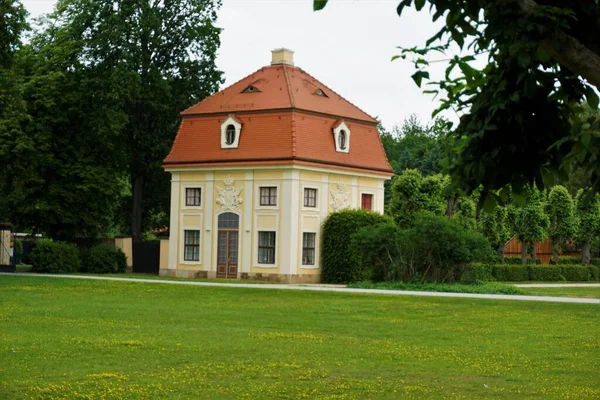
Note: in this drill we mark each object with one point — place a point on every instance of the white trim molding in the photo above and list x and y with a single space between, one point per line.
341 137
231 120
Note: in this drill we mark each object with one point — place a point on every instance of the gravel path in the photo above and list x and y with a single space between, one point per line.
557 285
317 288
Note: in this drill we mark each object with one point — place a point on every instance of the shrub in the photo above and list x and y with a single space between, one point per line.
477 272
516 260
103 259
567 260
436 249
511 273
54 257
594 272
545 273
340 262
576 273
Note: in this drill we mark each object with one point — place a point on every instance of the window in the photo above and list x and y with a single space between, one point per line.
191 251
230 135
251 89
320 92
192 197
308 248
367 202
342 140
268 196
310 197
266 247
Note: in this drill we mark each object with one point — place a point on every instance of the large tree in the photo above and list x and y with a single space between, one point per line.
530 222
588 212
543 59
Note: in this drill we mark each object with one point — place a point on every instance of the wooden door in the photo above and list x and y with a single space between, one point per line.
227 246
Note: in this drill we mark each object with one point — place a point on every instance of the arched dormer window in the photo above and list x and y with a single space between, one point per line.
231 130
230 135
341 137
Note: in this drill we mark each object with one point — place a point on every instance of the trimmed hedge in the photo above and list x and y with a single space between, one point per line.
516 260
567 260
545 273
477 272
594 272
575 272
54 257
103 259
340 263
511 273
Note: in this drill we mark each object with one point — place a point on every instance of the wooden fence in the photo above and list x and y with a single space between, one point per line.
543 250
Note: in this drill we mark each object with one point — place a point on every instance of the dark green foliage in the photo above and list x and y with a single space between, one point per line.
478 272
545 273
571 260
594 272
54 257
511 273
435 249
575 273
341 263
484 288
560 209
512 260
103 259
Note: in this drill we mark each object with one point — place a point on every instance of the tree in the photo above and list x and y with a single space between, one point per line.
588 212
495 226
412 193
560 209
530 223
517 111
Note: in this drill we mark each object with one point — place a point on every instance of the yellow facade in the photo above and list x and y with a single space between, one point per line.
235 193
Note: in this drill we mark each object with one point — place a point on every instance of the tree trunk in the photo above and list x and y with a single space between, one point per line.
136 210
501 254
523 253
533 252
586 252
451 205
555 248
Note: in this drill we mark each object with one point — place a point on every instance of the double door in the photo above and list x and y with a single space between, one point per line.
227 254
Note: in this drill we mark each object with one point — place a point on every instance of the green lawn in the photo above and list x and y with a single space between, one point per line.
589 292
64 338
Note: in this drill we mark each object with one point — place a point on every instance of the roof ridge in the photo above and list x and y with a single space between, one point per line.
341 97
292 105
222 90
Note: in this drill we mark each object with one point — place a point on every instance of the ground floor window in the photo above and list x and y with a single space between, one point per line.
266 247
367 202
308 248
191 251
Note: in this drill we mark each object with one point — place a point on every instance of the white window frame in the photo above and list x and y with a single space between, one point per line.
317 200
191 262
309 266
238 132
257 187
191 185
274 263
258 228
182 229
336 137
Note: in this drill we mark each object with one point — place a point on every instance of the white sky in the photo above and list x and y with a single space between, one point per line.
347 46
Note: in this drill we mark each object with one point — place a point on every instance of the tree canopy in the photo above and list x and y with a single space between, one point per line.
517 125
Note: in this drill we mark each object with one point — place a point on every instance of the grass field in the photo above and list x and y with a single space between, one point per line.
62 338
589 292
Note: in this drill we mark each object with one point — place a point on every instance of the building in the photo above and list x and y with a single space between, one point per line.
257 167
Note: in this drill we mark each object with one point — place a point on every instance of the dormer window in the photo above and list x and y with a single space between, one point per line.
320 92
230 135
251 89
231 129
341 137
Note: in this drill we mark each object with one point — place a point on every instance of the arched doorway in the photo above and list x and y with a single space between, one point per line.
227 245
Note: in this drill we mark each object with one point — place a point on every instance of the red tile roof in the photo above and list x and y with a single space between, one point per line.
283 122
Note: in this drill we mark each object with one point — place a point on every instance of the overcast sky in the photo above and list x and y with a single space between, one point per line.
347 46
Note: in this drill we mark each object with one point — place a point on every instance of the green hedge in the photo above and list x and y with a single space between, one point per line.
54 257
511 273
516 260
567 260
477 272
545 273
103 259
577 273
594 272
340 263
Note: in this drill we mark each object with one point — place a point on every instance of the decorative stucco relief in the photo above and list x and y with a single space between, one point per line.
339 198
229 197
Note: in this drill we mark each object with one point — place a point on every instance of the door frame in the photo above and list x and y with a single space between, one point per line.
216 240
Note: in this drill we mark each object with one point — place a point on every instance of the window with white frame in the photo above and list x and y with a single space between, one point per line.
266 247
231 130
268 196
308 248
310 197
193 197
341 137
191 250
